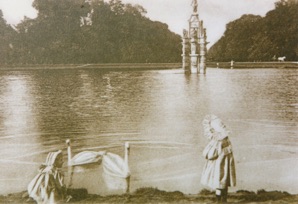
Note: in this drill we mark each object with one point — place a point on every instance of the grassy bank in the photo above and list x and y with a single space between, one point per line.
152 195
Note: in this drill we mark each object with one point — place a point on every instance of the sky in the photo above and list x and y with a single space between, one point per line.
215 13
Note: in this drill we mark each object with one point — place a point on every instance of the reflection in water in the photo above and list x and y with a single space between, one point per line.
17 129
160 113
115 184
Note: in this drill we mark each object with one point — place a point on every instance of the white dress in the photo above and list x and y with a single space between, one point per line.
219 171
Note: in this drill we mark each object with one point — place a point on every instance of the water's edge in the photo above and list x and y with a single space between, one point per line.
150 66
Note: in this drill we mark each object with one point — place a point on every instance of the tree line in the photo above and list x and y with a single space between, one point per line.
96 31
256 38
92 31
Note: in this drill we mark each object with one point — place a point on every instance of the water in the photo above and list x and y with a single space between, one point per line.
160 113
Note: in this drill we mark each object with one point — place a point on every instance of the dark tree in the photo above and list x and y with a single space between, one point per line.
253 38
76 31
7 36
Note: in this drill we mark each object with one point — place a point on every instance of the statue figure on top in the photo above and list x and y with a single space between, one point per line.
195 6
185 33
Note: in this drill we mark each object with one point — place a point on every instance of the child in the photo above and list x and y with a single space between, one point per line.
47 187
219 172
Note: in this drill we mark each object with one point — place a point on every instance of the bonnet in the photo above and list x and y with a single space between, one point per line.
214 128
51 158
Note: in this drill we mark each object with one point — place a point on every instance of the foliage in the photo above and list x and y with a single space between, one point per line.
7 34
253 38
94 31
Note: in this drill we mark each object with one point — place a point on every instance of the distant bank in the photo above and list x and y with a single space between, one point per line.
250 65
151 66
103 66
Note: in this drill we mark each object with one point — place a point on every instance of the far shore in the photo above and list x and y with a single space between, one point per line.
153 195
103 66
150 66
252 65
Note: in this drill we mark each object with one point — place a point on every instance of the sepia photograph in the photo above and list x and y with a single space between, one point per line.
148 101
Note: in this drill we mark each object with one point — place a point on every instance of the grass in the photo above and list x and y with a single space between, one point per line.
154 195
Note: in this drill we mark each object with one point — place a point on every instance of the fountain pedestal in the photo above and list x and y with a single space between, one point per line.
194 43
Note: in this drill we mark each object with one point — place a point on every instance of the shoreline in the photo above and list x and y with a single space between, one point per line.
153 195
151 66
253 65
103 66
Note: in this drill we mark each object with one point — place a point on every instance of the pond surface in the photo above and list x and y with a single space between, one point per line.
160 112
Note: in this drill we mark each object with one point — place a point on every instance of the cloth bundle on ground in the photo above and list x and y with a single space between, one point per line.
47 186
219 171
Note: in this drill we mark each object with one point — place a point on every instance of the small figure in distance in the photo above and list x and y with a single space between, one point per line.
47 187
232 64
219 171
274 58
